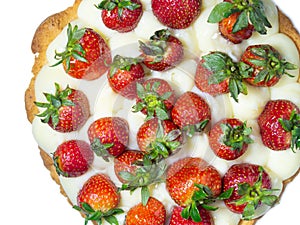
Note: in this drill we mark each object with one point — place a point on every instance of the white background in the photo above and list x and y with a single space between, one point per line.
28 195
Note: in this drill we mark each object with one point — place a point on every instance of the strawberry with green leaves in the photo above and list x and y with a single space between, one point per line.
252 187
239 18
279 125
136 172
176 14
109 136
192 182
98 200
124 74
153 213
155 98
191 113
73 158
218 74
86 55
267 63
121 15
177 219
162 52
159 139
229 138
66 110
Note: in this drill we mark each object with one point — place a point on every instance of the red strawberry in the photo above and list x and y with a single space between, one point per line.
133 171
86 55
155 98
162 52
109 136
67 110
177 219
124 73
238 19
73 158
154 213
192 181
158 139
229 138
121 15
217 74
267 63
191 113
176 14
252 187
126 163
98 200
279 125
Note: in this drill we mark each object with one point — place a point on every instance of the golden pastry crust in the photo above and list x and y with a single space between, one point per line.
53 25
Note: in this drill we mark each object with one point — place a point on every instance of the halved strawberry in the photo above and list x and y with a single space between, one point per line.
121 15
177 219
252 187
191 113
134 171
98 199
267 63
176 14
192 182
164 51
229 138
155 98
153 213
217 74
279 125
124 74
238 19
73 158
109 136
159 139
66 111
86 54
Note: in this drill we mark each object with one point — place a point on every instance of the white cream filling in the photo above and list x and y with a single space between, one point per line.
199 39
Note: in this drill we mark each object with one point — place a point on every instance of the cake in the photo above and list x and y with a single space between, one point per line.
105 102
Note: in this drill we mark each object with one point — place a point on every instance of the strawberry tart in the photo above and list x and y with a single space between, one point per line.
168 112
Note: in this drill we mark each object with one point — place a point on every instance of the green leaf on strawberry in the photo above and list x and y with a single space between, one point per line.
96 215
251 11
121 4
222 68
293 125
101 149
73 48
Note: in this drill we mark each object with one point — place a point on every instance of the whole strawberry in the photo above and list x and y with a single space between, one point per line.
191 182
218 74
134 171
86 54
155 98
98 199
191 113
177 219
252 187
279 125
153 213
229 138
176 14
124 74
267 63
73 158
238 19
121 15
109 136
66 111
159 139
164 51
